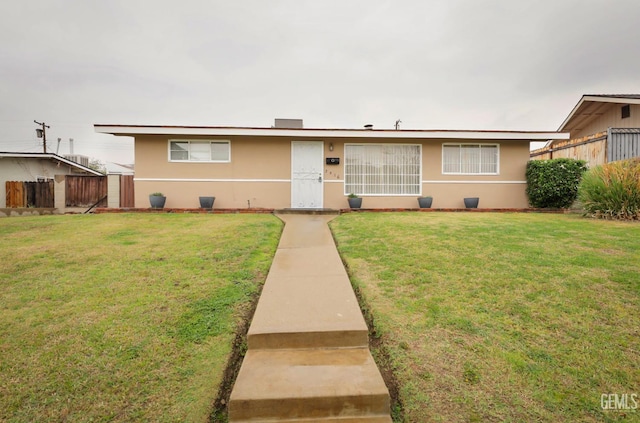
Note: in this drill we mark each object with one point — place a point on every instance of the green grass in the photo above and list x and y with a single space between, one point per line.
124 317
500 317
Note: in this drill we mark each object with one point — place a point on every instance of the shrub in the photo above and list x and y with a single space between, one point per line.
612 191
554 183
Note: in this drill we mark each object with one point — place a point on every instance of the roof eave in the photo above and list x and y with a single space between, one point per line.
54 157
133 130
595 98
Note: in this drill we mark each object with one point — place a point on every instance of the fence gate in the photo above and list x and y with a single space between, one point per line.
15 194
127 198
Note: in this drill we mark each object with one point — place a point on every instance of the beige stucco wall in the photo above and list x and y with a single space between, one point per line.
259 175
611 118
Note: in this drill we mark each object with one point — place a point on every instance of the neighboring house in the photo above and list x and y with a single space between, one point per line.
38 167
120 169
293 167
603 127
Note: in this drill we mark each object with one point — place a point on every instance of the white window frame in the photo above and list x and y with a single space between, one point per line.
387 194
189 160
461 144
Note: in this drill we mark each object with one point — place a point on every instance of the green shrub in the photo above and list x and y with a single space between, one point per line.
554 183
612 191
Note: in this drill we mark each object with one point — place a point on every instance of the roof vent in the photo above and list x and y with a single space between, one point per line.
288 123
368 126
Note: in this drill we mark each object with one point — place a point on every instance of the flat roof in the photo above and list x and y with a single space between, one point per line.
132 130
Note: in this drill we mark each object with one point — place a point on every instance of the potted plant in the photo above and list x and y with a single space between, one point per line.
471 202
355 202
157 200
425 202
207 202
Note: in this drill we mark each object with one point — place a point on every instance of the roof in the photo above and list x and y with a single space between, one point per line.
133 130
124 169
629 96
52 156
591 106
625 130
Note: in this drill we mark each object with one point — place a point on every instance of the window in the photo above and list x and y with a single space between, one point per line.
470 159
199 151
626 111
382 169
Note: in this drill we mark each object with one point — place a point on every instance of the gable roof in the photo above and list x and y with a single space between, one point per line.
591 106
52 156
133 130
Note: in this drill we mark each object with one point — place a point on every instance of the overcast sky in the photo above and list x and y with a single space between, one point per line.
454 64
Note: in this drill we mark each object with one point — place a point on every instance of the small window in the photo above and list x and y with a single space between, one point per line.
199 151
626 111
470 159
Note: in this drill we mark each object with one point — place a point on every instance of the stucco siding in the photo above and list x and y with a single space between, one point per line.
259 175
260 159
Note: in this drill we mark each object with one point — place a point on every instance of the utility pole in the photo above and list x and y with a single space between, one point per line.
42 133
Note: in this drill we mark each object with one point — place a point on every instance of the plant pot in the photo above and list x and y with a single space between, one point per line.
355 203
207 202
425 202
471 202
157 202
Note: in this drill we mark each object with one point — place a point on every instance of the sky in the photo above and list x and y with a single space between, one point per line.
453 64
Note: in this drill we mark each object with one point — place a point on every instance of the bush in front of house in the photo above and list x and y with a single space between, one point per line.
554 183
612 191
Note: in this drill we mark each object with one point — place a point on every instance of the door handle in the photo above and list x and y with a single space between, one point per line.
320 179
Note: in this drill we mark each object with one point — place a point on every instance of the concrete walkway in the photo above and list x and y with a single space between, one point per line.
308 357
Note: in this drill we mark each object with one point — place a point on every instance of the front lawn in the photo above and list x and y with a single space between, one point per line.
501 317
124 317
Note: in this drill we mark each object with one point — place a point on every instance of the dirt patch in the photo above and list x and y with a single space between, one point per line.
380 352
220 412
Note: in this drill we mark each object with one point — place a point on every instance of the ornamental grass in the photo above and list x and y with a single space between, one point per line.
612 191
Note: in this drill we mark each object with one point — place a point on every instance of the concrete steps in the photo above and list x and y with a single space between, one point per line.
361 419
322 383
312 308
308 357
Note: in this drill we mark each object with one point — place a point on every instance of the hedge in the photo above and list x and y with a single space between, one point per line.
554 183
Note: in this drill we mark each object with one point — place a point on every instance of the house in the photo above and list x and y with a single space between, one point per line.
603 128
39 167
288 166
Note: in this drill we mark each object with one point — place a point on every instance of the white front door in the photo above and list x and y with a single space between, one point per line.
307 174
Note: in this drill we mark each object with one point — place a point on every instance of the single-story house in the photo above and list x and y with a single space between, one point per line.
603 128
288 166
39 167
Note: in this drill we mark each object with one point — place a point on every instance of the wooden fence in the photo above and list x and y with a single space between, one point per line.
80 191
85 191
29 194
127 198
